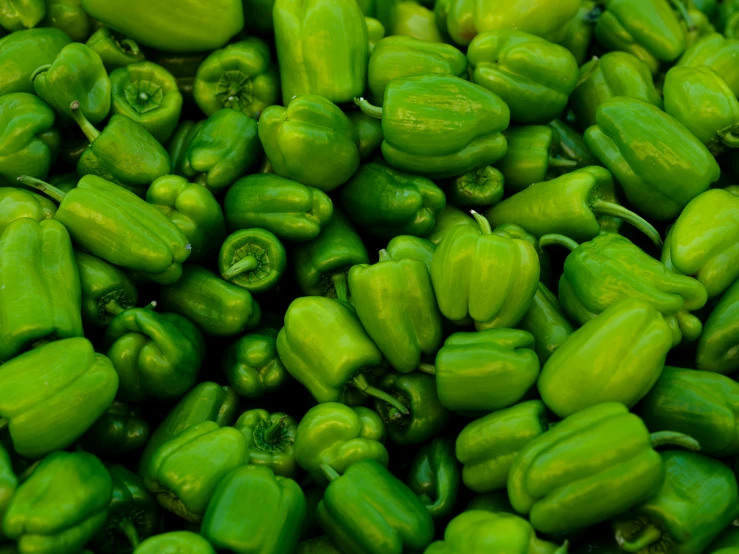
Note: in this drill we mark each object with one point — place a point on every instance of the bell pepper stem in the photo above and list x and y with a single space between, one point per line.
561 162
427 368
729 139
39 70
646 536
129 529
482 222
661 438
87 128
368 109
247 263
564 549
558 240
114 308
683 11
360 381
385 256
42 186
274 433
341 285
601 207
130 45
330 473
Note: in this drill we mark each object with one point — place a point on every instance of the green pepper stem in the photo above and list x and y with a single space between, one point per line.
42 186
662 438
427 368
341 285
482 222
274 433
129 529
39 70
247 263
385 256
564 549
131 44
729 139
601 207
360 381
330 473
646 536
88 128
680 7
114 308
368 109
560 162
552 239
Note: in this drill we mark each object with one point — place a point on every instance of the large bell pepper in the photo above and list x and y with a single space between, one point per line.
340 436
718 53
546 322
114 49
588 468
434 476
61 505
252 366
241 76
426 131
17 203
40 294
718 345
175 542
660 180
22 52
269 439
480 187
68 16
704 241
253 259
697 500
156 355
252 510
487 446
22 14
369 510
309 63
120 430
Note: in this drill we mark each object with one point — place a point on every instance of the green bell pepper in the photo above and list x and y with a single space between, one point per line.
321 264
253 259
697 500
269 439
195 212
8 481
39 286
22 52
217 307
287 208
434 476
480 187
718 53
400 56
727 542
68 16
426 417
28 142
114 49
658 181
119 227
426 131
156 355
570 144
367 133
388 203
175 542
717 346
252 510
578 33
79 385
310 141
375 32
240 76
183 472
17 203
409 18
309 62
468 259
171 25
546 323
532 75
405 247
148 94
369 511
21 14
613 74
624 371
477 532
449 218
487 446
704 241
588 468
59 508
252 366
120 430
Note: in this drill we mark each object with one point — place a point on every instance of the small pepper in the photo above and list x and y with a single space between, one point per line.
269 439
120 430
718 345
253 259
252 365
434 476
480 187
114 49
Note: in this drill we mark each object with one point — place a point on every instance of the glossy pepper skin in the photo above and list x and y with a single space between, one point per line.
39 286
253 259
290 210
80 385
175 542
148 94
28 142
195 212
8 480
22 52
660 180
252 365
183 472
156 355
269 439
172 25
426 416
17 203
449 218
434 476
369 511
410 18
546 322
578 31
570 144
61 505
704 241
340 436
367 133
697 500
610 268
717 53
610 465
119 227
487 446
120 430
717 346
240 76
427 132
217 307
399 56
613 74
309 64
254 511
23 14
468 260
114 49
310 141
532 75
480 187
77 74
477 532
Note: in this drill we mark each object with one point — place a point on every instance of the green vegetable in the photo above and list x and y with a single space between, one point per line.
717 346
17 203
120 430
546 322
480 187
434 476
718 53
175 542
252 365
68 16
114 49
269 439
22 52
21 14
253 259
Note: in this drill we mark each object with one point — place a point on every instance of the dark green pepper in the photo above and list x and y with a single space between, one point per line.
570 144
253 259
22 52
68 16
120 430
479 188
718 344
252 365
269 439
114 49
546 322
434 476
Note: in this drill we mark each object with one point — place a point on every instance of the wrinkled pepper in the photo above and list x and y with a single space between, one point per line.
253 259
480 187
269 440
